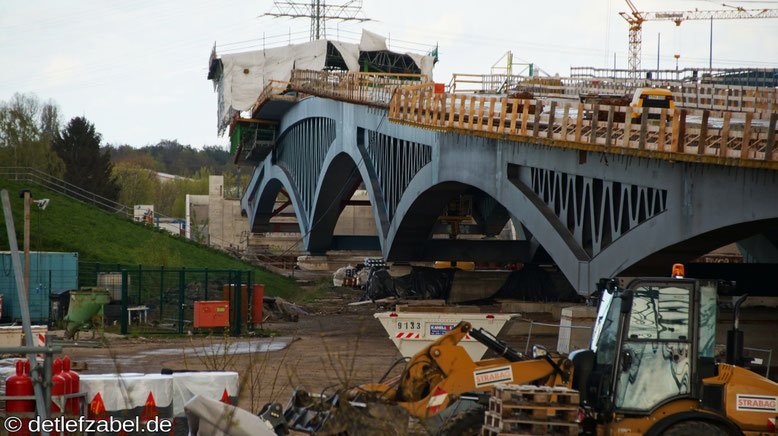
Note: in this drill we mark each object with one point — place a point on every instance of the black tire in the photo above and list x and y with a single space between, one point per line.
695 428
467 423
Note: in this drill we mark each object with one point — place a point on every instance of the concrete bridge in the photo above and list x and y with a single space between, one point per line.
601 198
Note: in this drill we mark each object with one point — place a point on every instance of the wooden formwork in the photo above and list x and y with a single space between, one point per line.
531 410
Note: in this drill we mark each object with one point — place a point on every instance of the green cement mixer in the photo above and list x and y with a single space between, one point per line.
86 310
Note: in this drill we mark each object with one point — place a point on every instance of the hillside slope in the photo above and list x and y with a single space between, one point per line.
98 236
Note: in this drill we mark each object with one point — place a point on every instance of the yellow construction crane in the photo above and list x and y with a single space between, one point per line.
636 19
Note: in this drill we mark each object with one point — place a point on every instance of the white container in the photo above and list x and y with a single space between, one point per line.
412 331
11 336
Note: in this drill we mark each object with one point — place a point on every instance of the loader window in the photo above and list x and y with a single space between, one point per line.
656 354
605 332
660 314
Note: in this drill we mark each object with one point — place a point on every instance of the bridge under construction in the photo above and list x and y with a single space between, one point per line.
599 189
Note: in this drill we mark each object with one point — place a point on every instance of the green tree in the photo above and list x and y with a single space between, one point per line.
22 142
86 165
137 185
231 182
50 123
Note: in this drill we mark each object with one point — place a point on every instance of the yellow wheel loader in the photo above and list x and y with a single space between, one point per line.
650 369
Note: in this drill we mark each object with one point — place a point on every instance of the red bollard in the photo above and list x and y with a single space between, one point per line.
75 387
68 386
57 390
19 385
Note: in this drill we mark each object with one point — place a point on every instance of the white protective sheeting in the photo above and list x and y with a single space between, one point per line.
349 53
372 41
210 384
213 418
425 63
128 390
245 75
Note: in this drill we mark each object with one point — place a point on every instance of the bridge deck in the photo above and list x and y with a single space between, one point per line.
725 138
688 94
743 138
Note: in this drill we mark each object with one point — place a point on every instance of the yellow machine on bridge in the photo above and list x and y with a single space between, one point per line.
647 98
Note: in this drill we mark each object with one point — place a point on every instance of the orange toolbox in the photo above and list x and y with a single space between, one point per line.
211 314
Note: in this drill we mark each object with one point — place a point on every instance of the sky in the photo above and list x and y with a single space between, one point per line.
137 69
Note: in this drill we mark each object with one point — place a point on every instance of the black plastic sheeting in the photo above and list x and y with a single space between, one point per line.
532 283
423 283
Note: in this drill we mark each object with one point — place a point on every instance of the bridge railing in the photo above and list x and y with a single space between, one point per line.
730 138
364 88
762 101
275 90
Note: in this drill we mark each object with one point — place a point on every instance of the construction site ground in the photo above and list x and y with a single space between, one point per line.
334 345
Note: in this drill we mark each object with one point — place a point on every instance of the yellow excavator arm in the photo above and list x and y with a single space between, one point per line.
443 371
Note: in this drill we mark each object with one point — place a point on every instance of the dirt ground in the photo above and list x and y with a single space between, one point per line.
335 344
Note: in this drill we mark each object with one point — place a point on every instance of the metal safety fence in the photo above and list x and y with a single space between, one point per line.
158 299
563 328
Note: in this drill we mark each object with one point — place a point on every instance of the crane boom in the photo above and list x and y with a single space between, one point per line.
722 14
635 18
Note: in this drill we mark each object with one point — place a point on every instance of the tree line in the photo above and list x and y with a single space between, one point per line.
32 135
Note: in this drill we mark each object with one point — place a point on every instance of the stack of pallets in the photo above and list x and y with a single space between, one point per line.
531 410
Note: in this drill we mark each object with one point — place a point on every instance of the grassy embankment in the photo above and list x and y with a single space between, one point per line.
98 236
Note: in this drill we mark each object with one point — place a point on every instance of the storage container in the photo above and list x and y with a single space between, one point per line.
412 331
208 314
48 271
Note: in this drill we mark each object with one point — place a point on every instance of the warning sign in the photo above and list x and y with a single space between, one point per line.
757 403
97 408
493 376
440 329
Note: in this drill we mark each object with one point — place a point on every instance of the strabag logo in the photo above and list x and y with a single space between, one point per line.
757 403
492 376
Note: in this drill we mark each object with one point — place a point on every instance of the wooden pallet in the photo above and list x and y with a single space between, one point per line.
550 412
531 410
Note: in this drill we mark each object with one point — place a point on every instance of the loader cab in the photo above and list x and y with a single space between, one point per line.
652 341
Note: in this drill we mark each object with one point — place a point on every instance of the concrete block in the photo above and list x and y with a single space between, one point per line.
313 263
571 339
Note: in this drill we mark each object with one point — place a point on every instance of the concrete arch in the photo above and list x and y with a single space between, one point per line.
556 241
334 185
262 196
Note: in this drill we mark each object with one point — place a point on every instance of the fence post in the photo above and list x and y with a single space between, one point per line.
206 283
238 295
140 281
125 292
249 297
161 290
529 336
181 280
